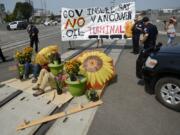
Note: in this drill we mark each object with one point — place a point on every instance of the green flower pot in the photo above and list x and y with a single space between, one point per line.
55 68
20 70
77 88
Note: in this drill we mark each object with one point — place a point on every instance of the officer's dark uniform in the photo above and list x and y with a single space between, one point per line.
149 45
33 33
136 31
152 32
2 56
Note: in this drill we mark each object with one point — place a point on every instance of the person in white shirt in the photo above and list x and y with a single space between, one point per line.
171 31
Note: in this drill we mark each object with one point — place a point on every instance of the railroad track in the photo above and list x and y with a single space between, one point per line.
25 42
24 36
43 128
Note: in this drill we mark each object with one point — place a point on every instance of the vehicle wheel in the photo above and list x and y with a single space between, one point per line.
167 91
8 27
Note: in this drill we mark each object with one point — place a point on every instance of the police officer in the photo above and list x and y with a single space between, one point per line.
150 34
136 31
33 34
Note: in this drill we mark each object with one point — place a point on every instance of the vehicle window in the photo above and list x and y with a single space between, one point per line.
13 23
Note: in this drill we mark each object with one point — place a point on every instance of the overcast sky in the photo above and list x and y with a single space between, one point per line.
56 5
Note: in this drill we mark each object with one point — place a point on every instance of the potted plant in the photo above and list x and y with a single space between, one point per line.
22 57
27 51
60 82
92 95
55 63
76 83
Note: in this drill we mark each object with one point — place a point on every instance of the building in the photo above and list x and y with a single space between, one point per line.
167 10
41 12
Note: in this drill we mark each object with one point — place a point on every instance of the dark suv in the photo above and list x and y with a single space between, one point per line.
160 69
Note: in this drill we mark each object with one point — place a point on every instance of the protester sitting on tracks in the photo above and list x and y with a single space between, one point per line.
40 62
34 69
46 78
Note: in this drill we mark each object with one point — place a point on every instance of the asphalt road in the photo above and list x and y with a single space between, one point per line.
129 110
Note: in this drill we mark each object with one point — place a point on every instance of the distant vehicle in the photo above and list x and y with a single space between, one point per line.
158 20
17 25
54 23
47 23
161 73
51 22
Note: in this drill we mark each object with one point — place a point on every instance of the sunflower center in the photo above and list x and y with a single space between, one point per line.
92 63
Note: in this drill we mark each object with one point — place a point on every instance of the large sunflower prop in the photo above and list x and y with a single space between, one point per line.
98 68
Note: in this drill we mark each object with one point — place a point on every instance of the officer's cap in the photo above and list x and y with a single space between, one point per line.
139 18
145 19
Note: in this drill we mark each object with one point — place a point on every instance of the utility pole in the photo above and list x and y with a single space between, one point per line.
42 8
45 7
42 4
43 12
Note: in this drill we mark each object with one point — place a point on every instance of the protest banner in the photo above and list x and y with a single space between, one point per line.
108 22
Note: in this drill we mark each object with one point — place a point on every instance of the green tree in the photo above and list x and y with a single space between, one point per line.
27 10
9 18
23 10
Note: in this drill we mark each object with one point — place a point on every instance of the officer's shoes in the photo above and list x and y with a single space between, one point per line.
135 52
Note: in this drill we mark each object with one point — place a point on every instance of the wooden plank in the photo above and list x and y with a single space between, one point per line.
43 129
59 115
18 84
9 81
58 99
